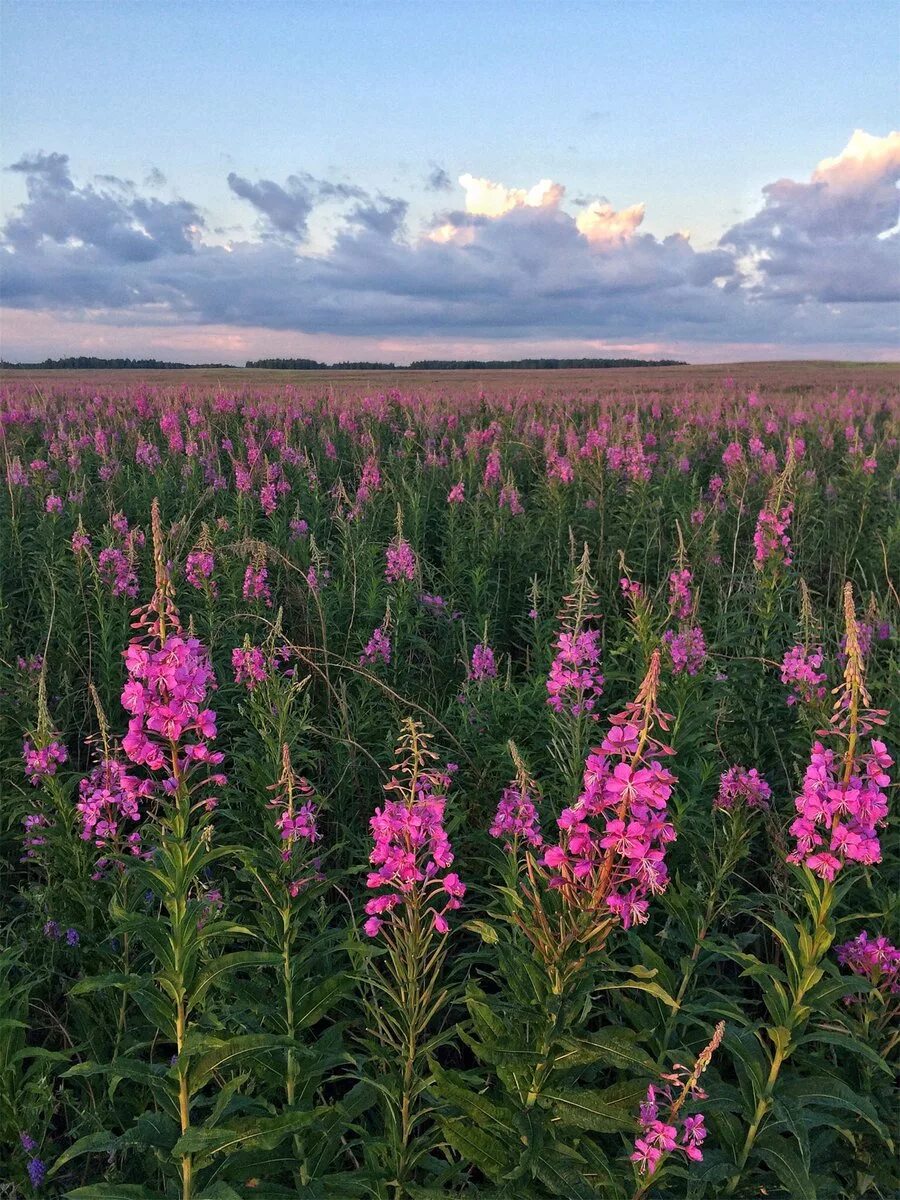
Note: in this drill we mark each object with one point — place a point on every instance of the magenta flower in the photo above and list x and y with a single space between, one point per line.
575 683
687 649
516 818
483 665
42 761
411 849
377 647
400 562
800 671
249 664
738 786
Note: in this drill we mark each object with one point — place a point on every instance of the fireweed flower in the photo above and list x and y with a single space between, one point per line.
662 1128
256 585
296 815
108 808
249 665
400 561
687 649
800 671
42 761
610 857
411 847
771 539
198 570
483 665
843 801
457 494
377 647
33 840
873 958
516 818
741 787
575 683
681 594
115 569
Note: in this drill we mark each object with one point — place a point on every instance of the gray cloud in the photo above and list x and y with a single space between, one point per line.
802 270
286 208
834 239
438 180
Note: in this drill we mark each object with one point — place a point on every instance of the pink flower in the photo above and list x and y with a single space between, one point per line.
400 562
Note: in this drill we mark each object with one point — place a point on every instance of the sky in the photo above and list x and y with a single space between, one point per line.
210 181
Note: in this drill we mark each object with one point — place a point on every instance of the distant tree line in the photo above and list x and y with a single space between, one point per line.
89 363
463 364
310 364
538 364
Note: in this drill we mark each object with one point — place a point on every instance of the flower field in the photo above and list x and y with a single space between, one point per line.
471 788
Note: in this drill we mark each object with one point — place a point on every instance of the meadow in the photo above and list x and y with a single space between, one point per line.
449 785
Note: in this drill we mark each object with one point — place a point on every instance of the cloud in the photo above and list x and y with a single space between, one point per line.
488 199
601 224
286 208
833 239
438 180
510 264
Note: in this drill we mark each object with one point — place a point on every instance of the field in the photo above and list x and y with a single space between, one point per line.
450 784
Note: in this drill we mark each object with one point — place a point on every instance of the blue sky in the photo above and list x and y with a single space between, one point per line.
690 109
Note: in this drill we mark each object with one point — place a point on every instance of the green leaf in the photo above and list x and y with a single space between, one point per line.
229 1051
640 985
845 1042
92 1143
486 1113
615 1047
780 1156
111 1191
476 1146
832 1093
313 1005
602 1111
229 962
250 1133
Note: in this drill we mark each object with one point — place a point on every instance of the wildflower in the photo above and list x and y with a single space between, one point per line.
52 931
400 562
411 847
80 541
41 762
681 595
575 683
256 585
116 571
72 937
249 665
687 649
771 538
457 494
377 647
107 799
611 852
800 671
739 786
873 958
662 1128
36 1172
198 570
53 504
516 818
483 665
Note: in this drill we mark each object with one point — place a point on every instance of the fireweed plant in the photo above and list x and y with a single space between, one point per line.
193 997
